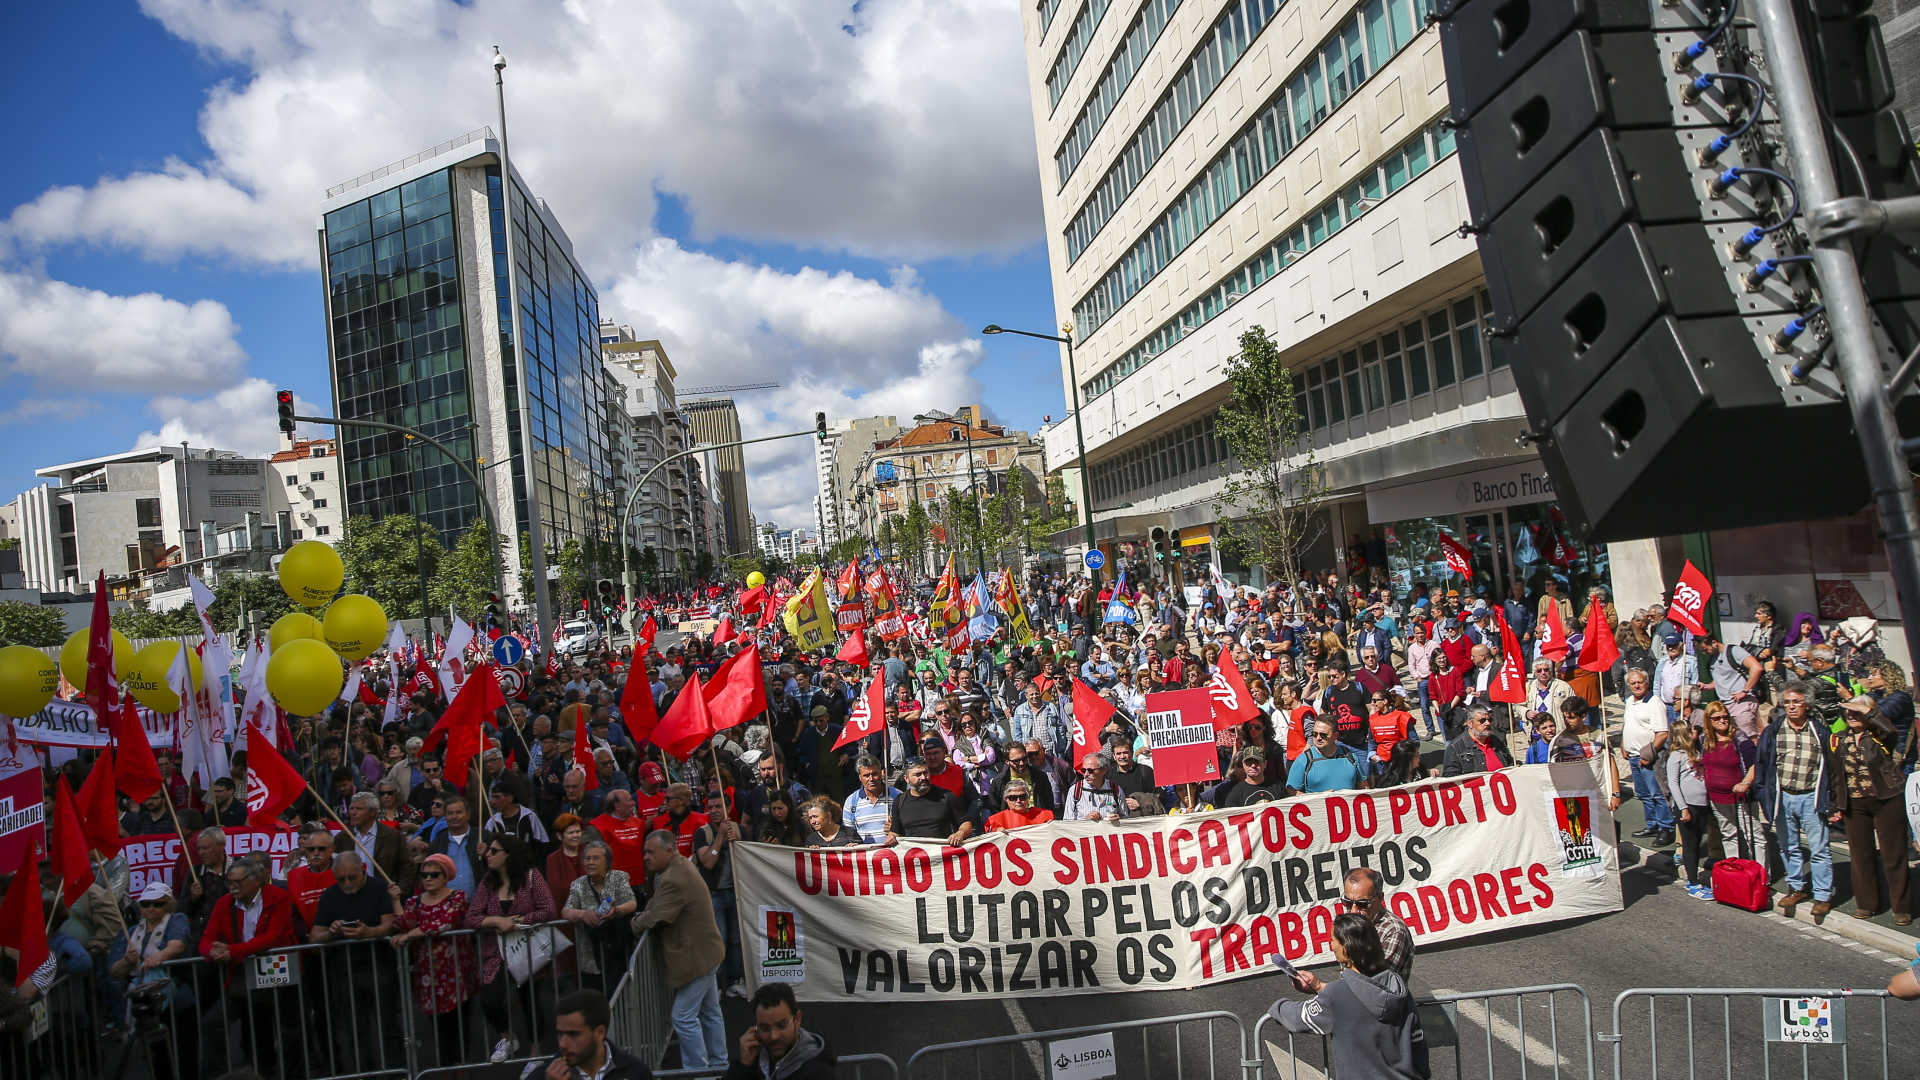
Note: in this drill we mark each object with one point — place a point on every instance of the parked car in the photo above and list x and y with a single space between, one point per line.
579 636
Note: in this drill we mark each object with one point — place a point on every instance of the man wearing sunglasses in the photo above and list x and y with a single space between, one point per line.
313 875
1327 765
1095 797
1364 891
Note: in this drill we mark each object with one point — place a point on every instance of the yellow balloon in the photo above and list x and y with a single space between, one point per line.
73 656
355 626
305 677
146 680
293 626
756 579
311 573
28 679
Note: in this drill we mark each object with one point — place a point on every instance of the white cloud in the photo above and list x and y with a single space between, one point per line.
241 417
898 129
62 335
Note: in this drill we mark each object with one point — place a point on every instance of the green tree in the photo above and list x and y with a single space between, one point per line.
703 566
648 566
914 534
1275 493
886 537
235 595
31 624
465 576
1051 515
575 580
384 559
138 622
847 550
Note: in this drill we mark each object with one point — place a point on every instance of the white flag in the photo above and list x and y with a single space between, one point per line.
452 666
200 757
202 600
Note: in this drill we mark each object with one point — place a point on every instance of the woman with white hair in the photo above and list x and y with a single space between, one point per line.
158 936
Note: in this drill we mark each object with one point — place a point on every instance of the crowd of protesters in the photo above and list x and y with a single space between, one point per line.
1728 745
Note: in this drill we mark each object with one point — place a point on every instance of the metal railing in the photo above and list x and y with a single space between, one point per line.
1194 1037
57 1035
642 1005
848 1067
411 160
1783 1032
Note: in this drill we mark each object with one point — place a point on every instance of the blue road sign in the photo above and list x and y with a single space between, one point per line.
508 650
1095 560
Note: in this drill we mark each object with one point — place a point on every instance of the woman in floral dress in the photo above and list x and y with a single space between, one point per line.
444 970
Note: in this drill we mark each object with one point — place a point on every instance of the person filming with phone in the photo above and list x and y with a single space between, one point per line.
1367 1013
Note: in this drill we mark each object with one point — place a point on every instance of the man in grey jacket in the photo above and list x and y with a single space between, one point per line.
1368 1012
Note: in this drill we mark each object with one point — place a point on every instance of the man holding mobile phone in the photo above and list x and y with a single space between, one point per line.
356 914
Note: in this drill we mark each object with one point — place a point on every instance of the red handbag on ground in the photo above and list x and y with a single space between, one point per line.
1741 883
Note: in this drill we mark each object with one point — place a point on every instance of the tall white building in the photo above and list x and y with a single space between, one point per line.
1213 165
669 516
309 471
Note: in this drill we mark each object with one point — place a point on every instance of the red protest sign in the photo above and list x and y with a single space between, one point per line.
1179 729
1690 595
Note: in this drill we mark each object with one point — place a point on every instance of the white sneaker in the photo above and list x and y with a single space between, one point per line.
737 990
504 1049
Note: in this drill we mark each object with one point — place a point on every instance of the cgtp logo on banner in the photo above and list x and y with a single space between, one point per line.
783 956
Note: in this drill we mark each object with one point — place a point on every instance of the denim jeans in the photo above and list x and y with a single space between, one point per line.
697 1021
1426 704
1799 820
724 914
1646 788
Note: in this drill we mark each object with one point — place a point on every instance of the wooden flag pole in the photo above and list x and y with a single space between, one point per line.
327 809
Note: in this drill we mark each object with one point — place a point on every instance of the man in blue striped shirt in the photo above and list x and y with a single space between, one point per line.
866 811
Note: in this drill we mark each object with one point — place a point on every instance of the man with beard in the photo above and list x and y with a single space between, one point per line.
926 810
580 1030
1021 767
679 818
776 1045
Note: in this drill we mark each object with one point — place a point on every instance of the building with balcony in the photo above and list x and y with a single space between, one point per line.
713 421
941 453
309 471
664 514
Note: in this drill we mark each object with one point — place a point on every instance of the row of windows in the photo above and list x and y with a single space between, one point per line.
1048 9
1324 80
1216 54
1194 446
1153 17
387 212
1444 347
1395 171
1079 36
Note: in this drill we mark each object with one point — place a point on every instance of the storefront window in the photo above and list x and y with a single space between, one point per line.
1514 543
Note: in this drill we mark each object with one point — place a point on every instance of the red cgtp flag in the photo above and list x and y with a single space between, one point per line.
1232 704
478 701
855 650
272 784
869 712
69 845
103 687
648 630
636 705
1459 559
686 724
774 606
849 581
1690 594
134 769
1598 650
1553 634
23 925
737 692
1090 714
583 754
753 600
99 812
1509 684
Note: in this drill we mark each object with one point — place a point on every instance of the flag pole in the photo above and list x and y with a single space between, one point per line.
327 809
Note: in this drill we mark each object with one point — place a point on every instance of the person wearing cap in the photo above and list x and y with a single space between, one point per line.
513 819
1673 675
443 971
651 794
1261 780
157 936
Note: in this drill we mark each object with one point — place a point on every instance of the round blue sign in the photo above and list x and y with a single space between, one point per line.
1095 560
508 650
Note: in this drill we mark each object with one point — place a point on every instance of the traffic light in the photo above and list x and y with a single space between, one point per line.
1173 545
1630 193
820 426
496 615
284 400
1159 543
609 595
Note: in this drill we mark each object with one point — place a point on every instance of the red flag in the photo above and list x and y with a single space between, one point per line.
583 754
1598 650
644 637
99 813
855 650
686 724
368 695
134 769
69 845
1509 684
103 686
738 691
723 633
23 925
774 606
636 706
1090 714
1553 633
1690 593
1232 704
849 581
478 701
869 712
1459 559
753 600
272 784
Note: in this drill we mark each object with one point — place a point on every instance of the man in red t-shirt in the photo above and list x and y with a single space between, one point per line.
624 831
652 795
941 771
311 877
680 818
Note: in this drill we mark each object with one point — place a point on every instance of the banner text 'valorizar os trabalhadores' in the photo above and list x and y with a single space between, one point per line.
1167 903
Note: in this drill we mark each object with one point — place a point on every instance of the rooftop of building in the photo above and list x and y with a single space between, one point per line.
303 449
70 471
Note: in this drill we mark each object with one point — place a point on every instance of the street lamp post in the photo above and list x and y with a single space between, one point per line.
1079 432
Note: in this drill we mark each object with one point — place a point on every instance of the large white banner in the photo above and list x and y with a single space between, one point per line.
1166 903
71 724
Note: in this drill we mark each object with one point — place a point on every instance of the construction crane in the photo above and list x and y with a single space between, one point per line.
690 391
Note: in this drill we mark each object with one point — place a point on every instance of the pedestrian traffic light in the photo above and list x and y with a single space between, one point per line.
820 426
608 594
284 399
1159 543
496 615
1173 544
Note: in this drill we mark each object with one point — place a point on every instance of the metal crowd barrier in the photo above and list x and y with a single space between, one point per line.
1777 1032
1195 1037
863 1066
57 1035
642 1005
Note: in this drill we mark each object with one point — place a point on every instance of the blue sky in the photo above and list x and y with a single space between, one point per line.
842 216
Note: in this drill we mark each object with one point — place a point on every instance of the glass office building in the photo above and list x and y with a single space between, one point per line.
419 333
